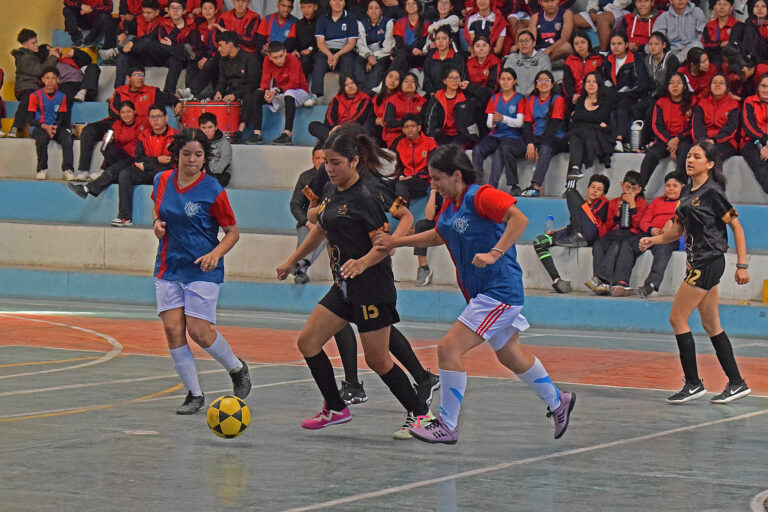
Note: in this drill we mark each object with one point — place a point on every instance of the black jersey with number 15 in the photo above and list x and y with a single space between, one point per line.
704 213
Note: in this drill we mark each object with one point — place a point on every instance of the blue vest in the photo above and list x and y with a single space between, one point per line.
510 109
48 107
374 35
539 115
279 32
466 233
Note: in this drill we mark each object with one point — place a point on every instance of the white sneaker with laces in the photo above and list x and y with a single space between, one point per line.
80 96
83 175
96 174
41 175
311 101
69 175
13 133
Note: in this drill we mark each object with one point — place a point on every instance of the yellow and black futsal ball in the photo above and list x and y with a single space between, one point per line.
228 416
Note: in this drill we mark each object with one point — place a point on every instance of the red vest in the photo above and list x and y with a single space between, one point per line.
157 145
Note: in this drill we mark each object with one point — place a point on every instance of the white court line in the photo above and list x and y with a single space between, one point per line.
759 503
116 348
520 462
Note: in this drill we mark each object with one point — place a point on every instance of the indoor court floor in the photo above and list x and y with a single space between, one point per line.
87 423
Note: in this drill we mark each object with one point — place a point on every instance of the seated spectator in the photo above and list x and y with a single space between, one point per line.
577 65
405 101
119 152
603 17
29 74
683 23
622 223
142 96
128 11
302 199
137 19
698 71
552 28
375 46
434 203
412 151
243 22
387 89
350 105
717 31
282 85
590 137
440 58
754 132
527 62
625 76
751 36
220 160
410 33
78 85
743 72
444 15
449 113
660 64
487 21
195 8
306 27
138 36
279 26
638 26
543 129
671 126
336 37
482 78
47 108
659 212
239 75
152 157
716 118
90 14
518 14
587 216
505 111
203 69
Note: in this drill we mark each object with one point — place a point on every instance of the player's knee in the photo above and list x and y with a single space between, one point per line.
542 243
380 363
711 326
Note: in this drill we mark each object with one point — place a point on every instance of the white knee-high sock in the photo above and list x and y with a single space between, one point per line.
452 387
184 362
538 379
222 352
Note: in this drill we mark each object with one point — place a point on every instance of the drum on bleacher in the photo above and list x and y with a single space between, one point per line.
227 114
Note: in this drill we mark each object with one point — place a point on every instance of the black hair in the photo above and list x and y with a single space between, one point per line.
343 80
350 141
182 3
411 117
415 78
229 36
446 29
451 158
727 82
600 178
633 178
51 69
303 2
186 136
674 176
752 9
318 147
368 2
511 71
25 35
762 77
136 67
278 1
275 47
150 4
383 92
448 70
212 2
601 91
207 117
548 74
713 155
693 57
478 38
687 101
157 106
661 36
582 34
127 103
622 35
530 34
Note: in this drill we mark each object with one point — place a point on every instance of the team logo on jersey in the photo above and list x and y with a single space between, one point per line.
485 72
696 202
460 225
423 153
418 109
191 209
343 210
513 109
343 26
558 26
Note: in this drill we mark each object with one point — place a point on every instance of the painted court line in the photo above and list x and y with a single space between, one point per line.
530 460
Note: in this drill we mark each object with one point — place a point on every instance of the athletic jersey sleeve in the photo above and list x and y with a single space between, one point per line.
492 203
559 108
491 107
721 206
222 211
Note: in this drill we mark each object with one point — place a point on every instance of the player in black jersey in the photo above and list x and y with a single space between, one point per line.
702 213
363 292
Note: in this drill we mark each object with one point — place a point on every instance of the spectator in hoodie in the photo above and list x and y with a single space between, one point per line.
90 14
754 132
553 26
659 212
220 160
350 105
406 101
449 113
47 109
527 62
638 26
440 58
375 46
660 63
716 117
751 36
577 65
377 126
412 151
683 23
29 74
717 31
245 23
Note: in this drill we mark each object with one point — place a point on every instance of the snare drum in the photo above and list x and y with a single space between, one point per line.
227 114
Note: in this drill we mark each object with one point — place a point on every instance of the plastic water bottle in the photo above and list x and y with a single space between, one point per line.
636 135
549 224
625 219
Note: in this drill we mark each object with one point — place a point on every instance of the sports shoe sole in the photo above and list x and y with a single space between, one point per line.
740 394
689 398
328 424
568 418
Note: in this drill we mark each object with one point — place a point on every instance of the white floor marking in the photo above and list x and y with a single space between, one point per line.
530 460
759 503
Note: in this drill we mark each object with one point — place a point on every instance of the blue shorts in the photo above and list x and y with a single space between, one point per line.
198 298
492 320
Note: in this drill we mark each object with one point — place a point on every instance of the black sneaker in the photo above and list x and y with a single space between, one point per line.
515 190
236 137
574 240
688 393
191 404
732 392
283 140
562 286
425 389
352 394
78 189
255 138
241 381
646 290
575 173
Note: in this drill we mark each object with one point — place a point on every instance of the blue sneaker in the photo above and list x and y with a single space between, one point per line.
531 192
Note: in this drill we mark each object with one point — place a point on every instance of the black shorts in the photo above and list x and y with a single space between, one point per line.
367 318
706 276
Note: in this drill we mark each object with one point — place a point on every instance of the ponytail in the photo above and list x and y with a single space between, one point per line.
350 140
451 158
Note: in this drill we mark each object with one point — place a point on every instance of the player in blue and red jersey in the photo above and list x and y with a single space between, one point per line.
190 206
480 226
47 111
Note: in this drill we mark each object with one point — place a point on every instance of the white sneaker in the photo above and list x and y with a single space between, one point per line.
109 54
618 147
83 175
96 174
311 101
80 96
14 133
2 133
41 175
69 175
122 223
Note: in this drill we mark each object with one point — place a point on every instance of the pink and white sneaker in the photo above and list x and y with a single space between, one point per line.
327 418
434 431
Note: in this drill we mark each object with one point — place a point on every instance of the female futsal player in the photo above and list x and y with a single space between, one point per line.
480 226
190 206
363 292
702 213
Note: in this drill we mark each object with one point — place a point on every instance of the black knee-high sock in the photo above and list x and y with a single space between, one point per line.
724 352
403 352
347 344
397 382
541 245
322 371
687 350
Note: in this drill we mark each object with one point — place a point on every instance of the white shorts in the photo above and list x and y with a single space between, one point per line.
278 102
198 298
519 15
618 15
494 321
